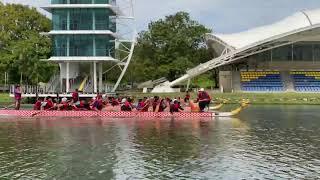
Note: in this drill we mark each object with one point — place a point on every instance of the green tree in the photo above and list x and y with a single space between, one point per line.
21 45
169 47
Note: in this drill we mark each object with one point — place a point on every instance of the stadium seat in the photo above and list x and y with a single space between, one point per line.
306 81
261 81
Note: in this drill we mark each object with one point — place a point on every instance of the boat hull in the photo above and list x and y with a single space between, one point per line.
103 114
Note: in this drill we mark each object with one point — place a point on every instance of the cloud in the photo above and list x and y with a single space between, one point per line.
224 16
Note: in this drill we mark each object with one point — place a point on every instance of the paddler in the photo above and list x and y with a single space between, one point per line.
64 104
127 105
75 96
48 104
187 97
141 104
204 99
97 103
175 106
17 97
37 105
146 106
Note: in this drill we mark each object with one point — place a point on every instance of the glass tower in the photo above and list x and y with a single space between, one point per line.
83 35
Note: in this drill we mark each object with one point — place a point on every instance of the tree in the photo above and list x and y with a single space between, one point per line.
169 47
21 45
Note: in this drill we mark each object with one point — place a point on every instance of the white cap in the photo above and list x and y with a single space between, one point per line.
64 99
201 89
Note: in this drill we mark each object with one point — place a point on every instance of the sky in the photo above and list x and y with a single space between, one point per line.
222 16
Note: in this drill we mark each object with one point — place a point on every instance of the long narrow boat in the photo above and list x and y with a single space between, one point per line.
105 114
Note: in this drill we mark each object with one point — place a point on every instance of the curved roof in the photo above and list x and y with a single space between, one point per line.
297 21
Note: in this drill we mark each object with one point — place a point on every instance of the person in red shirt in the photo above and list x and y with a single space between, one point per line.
175 106
49 104
75 96
37 105
204 99
17 97
127 105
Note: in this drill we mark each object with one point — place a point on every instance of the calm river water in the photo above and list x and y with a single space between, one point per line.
264 142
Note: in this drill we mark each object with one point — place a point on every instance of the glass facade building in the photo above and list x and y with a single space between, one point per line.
300 51
89 19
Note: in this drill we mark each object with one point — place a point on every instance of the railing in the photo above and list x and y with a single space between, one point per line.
31 89
53 83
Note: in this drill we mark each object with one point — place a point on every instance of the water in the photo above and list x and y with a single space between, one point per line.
264 142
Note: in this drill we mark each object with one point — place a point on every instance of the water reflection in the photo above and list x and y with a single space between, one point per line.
264 142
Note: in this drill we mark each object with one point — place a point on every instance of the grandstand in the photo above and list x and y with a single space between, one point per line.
261 81
281 57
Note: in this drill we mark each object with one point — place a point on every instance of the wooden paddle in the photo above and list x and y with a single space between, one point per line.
36 113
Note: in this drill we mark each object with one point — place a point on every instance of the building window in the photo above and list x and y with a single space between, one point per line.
282 53
316 52
102 19
60 46
81 19
59 19
81 45
302 52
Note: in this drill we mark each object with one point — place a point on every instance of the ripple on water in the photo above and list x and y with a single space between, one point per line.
256 147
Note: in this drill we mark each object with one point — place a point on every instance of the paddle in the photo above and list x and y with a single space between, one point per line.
36 113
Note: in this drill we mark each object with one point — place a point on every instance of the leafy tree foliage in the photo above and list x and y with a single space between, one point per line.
169 47
21 45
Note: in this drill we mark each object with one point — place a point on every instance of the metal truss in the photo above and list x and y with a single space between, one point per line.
126 38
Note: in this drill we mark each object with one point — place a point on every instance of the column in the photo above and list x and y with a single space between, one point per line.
100 78
95 77
67 77
61 77
68 18
93 19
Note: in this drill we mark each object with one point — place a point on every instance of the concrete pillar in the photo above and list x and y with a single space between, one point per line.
100 78
67 77
61 77
95 89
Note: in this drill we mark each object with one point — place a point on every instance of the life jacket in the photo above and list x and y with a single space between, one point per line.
194 107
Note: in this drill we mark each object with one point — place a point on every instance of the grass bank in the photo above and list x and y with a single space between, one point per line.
5 98
254 98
